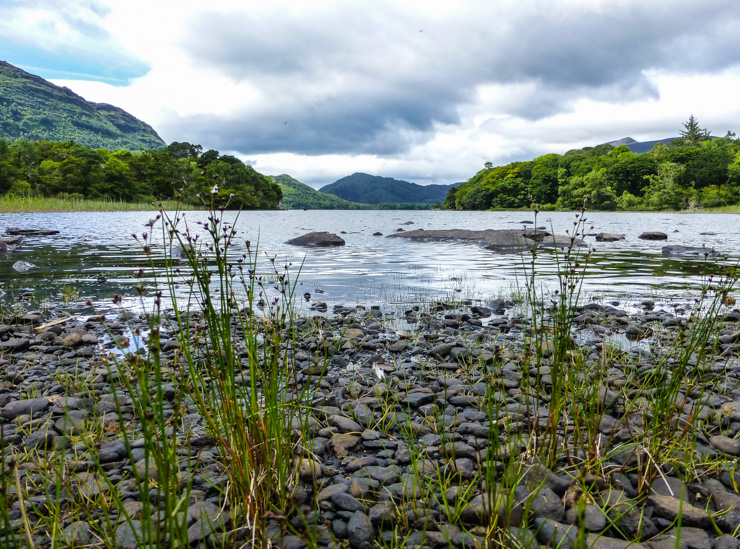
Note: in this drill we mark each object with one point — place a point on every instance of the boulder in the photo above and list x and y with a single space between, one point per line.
653 235
318 240
609 237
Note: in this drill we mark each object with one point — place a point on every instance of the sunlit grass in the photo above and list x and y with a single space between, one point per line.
40 204
722 209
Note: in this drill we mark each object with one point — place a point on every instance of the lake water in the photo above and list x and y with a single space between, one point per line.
95 256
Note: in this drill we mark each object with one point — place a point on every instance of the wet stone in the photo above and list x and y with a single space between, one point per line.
725 444
15 345
127 534
384 475
346 425
342 443
24 407
346 502
359 531
417 399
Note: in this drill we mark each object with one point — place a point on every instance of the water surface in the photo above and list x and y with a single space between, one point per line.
95 255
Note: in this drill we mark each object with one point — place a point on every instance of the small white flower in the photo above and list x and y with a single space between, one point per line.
379 373
214 190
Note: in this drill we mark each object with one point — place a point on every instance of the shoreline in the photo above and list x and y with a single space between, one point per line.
50 205
406 432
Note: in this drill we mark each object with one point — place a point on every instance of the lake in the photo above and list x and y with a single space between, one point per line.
94 256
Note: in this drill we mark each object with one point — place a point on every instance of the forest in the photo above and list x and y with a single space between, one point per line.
694 171
181 170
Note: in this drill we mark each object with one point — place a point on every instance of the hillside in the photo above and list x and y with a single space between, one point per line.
299 196
694 171
373 189
35 109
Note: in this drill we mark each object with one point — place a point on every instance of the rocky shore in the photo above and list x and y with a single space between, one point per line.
426 436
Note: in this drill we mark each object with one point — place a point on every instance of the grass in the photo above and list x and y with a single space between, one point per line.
721 209
233 382
18 204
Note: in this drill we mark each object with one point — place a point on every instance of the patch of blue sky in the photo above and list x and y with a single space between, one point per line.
67 66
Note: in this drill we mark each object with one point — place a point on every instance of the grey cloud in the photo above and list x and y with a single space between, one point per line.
348 80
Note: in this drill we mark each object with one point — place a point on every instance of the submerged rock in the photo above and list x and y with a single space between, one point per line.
23 266
700 251
609 237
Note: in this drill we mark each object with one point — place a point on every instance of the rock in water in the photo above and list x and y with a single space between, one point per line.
23 266
653 235
15 231
317 239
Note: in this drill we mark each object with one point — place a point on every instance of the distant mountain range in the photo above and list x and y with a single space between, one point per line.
640 147
372 189
35 109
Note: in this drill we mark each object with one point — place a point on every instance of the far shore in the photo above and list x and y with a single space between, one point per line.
46 205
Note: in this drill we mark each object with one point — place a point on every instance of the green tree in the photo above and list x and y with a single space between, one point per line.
543 183
187 150
692 133
450 199
593 189
663 192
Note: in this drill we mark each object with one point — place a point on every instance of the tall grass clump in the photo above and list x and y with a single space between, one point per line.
235 330
550 315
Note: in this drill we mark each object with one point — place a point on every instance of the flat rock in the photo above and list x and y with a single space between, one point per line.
15 345
15 231
24 407
669 508
317 239
491 239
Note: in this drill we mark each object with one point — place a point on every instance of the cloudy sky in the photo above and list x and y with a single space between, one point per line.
421 90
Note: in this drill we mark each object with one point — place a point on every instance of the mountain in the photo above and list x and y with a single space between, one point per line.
373 189
640 147
299 196
35 109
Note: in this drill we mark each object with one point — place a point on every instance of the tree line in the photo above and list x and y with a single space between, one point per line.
181 170
693 171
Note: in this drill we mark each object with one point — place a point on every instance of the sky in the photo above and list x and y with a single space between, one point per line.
420 90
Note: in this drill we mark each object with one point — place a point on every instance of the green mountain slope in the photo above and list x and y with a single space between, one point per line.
373 189
299 196
35 109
